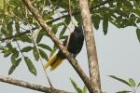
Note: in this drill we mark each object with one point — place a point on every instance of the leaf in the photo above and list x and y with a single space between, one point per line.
43 54
30 65
1 4
24 38
11 70
121 80
63 37
39 36
17 26
138 33
14 56
132 82
27 49
15 63
45 47
96 20
84 89
138 84
63 31
105 24
75 86
36 54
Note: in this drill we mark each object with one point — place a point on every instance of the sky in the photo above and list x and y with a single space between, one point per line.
118 54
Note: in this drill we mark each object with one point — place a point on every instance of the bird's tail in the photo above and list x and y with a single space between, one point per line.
54 62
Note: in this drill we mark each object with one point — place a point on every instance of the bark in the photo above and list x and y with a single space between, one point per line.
29 85
90 45
46 28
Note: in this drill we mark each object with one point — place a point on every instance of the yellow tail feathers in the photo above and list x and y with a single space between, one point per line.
54 62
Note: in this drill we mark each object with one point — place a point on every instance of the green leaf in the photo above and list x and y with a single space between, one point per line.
121 80
1 4
11 70
63 31
9 27
132 82
14 56
85 89
39 36
24 38
36 54
96 20
15 63
43 54
17 26
44 46
27 49
30 65
78 90
138 33
138 84
63 37
6 53
105 24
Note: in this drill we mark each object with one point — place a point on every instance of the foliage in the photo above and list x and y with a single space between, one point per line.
21 34
130 83
78 89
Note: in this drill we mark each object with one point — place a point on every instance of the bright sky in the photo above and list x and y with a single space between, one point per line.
118 54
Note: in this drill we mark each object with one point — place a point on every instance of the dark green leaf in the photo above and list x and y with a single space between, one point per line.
30 65
121 80
14 56
63 37
78 90
36 54
15 63
12 68
138 34
6 53
43 54
105 24
132 82
10 28
27 49
63 31
96 20
39 36
45 47
17 26
24 38
9 46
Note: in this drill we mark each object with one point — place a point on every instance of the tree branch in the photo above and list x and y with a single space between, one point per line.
46 28
49 22
91 47
29 85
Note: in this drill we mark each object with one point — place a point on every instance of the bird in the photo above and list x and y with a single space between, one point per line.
73 44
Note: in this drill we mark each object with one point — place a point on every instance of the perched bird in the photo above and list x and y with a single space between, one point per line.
74 45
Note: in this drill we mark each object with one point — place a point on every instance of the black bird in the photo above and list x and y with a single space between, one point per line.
74 45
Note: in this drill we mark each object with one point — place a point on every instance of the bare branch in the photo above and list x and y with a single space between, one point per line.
91 47
29 85
64 16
